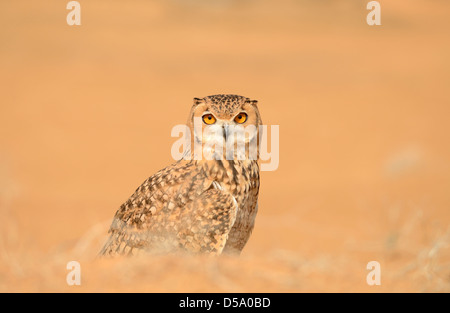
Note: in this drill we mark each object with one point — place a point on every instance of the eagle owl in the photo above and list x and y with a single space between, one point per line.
197 204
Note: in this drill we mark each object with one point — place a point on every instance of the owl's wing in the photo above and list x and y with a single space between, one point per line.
178 207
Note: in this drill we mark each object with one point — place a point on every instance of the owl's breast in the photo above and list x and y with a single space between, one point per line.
241 180
238 178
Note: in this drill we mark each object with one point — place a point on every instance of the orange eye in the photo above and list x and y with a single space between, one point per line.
240 118
209 119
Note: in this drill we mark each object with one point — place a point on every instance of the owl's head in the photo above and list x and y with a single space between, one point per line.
227 120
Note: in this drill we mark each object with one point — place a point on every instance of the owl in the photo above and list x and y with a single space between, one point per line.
201 204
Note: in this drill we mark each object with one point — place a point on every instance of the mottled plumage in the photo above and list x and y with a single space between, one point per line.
195 206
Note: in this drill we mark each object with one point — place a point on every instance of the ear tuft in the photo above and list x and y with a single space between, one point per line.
198 100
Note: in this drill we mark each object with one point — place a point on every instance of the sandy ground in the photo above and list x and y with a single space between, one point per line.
364 175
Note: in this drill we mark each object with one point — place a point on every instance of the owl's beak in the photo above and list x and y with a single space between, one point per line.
226 131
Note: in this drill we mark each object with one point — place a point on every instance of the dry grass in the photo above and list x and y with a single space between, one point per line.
407 265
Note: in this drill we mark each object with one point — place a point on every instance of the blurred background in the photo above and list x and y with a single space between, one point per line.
364 175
